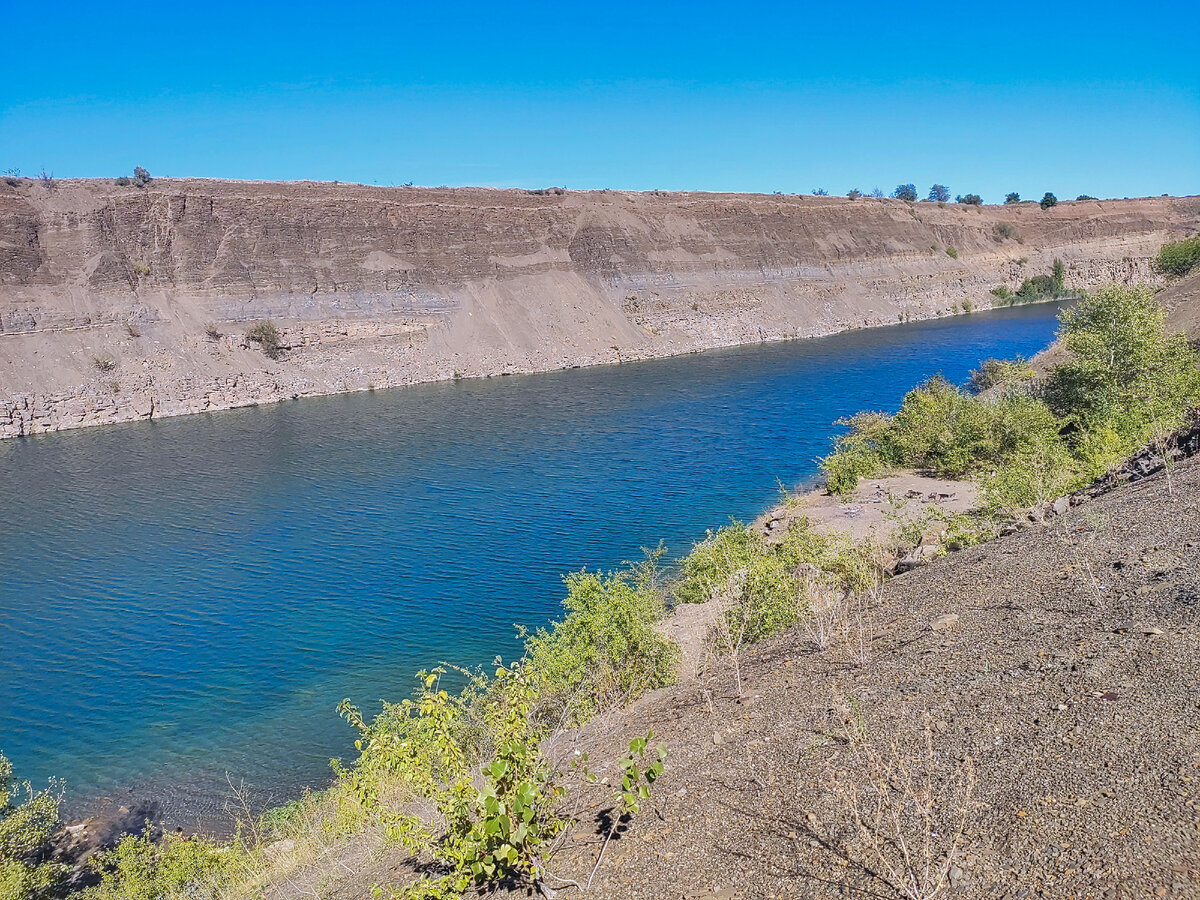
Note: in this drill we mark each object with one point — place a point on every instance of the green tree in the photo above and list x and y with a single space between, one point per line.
1048 201
854 193
905 192
1014 197
1059 274
28 819
969 199
939 193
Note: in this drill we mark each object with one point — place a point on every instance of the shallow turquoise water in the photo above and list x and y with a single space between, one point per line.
190 598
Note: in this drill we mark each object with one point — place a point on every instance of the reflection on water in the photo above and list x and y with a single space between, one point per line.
187 598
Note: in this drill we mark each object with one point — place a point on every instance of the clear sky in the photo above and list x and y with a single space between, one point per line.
1099 98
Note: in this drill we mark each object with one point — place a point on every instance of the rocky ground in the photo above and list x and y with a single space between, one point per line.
1058 663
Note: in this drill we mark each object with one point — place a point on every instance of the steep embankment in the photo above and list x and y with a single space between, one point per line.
119 303
1060 660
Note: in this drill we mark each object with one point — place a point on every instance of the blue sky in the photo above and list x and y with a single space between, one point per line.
1099 98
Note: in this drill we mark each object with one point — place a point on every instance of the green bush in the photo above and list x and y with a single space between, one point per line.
606 651
952 253
1178 257
267 336
940 429
1002 293
28 820
992 372
144 867
1128 379
761 584
1048 200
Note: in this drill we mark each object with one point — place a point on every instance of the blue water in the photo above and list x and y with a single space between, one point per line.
189 599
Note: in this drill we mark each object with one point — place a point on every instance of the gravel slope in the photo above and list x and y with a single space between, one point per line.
1070 679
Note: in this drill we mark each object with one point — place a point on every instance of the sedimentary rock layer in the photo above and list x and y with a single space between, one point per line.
119 303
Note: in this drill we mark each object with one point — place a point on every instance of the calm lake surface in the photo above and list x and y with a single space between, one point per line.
186 599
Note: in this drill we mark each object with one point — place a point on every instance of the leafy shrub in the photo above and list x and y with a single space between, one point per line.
854 193
1014 197
475 759
939 193
123 181
1128 379
174 867
1178 257
1001 293
768 588
768 579
952 253
141 177
992 372
905 192
1002 231
939 429
1084 197
969 199
1048 200
267 336
606 651
28 820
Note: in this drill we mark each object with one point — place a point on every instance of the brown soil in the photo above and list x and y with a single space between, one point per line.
121 303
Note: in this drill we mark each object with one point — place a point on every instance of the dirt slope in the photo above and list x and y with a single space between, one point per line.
119 303
1069 679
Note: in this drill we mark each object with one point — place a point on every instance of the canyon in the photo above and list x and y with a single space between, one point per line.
120 303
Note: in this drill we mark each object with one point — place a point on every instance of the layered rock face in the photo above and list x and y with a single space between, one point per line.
118 303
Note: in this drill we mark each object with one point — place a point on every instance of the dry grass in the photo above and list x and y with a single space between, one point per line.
906 804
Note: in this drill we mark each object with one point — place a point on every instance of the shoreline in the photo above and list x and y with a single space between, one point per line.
31 414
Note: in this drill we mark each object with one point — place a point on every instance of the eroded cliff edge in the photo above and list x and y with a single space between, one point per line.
119 303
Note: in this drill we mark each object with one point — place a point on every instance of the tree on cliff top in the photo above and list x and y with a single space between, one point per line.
940 193
905 192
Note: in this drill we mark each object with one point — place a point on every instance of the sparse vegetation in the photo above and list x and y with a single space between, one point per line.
268 338
123 181
104 362
969 199
952 253
854 193
820 192
46 179
211 331
1178 258
1012 198
1003 231
1084 197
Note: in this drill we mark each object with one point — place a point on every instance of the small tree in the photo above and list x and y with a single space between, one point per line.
969 199
877 193
1048 201
28 820
1084 197
1013 197
905 192
854 193
140 176
820 192
939 193
1059 274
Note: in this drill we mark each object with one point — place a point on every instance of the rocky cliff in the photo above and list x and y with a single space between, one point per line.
118 303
